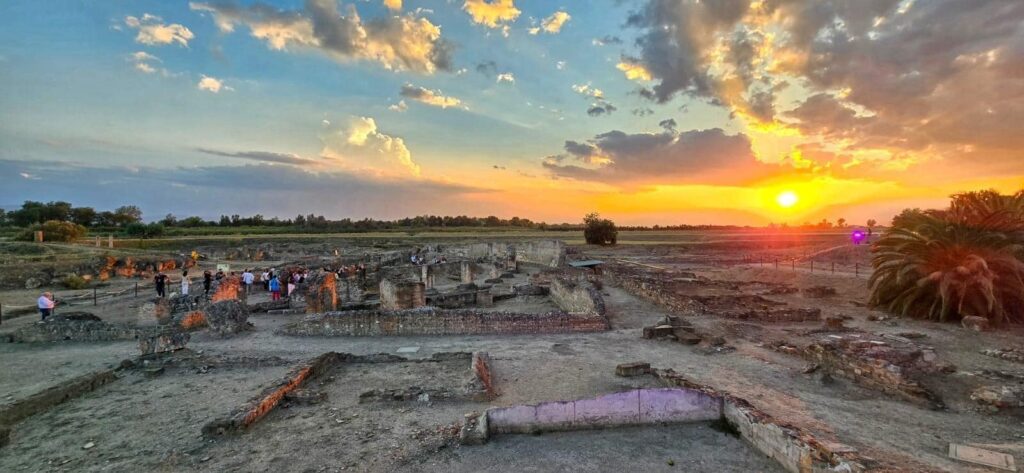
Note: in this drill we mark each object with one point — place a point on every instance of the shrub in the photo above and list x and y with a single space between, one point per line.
54 230
947 264
598 231
74 281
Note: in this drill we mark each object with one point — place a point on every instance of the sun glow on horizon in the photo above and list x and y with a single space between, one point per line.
787 199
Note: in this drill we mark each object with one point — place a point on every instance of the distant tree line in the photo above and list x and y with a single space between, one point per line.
35 213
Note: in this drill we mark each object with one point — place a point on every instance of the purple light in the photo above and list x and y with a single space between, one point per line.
857 236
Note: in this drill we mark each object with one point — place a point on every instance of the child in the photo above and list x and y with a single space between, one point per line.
275 289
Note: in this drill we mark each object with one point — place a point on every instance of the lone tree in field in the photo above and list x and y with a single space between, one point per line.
871 223
966 260
599 231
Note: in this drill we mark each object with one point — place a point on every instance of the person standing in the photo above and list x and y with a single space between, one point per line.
160 280
247 279
185 283
275 289
46 305
207 281
265 278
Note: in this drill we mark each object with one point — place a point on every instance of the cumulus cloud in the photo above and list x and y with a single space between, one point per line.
506 77
399 107
633 69
212 84
429 97
395 5
669 157
588 91
153 31
399 42
880 78
361 147
261 156
143 61
552 24
492 13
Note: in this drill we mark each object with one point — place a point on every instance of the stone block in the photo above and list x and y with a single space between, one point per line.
978 324
658 331
632 369
834 323
162 342
474 430
227 317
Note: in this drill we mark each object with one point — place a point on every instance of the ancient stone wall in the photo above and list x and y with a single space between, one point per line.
59 329
547 253
576 296
397 294
461 299
429 321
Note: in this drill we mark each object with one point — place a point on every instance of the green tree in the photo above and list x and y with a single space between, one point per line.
127 214
599 231
84 216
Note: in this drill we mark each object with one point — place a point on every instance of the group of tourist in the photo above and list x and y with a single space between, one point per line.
277 284
349 271
419 260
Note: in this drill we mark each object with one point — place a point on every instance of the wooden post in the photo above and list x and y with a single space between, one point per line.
792 264
136 289
776 263
110 241
833 267
856 269
812 266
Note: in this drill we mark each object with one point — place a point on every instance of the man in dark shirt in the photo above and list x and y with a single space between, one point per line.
161 282
207 281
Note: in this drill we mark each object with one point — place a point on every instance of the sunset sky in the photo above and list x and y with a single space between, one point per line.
648 111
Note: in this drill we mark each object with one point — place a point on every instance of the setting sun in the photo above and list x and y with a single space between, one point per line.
787 199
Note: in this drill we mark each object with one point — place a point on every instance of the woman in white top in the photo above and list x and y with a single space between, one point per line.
185 283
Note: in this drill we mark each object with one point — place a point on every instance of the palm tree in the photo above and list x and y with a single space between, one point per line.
966 260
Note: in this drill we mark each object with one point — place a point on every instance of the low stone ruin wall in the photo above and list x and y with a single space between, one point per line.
431 321
661 288
795 449
59 329
259 406
241 418
635 407
55 395
888 366
462 299
576 296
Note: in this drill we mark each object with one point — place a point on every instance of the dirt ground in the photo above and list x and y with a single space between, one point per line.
152 422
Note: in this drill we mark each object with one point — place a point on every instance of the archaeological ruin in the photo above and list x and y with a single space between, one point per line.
525 355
